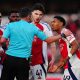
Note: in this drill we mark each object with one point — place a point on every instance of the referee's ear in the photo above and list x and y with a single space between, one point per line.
28 18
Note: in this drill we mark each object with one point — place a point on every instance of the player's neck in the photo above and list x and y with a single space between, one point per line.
35 22
59 30
25 19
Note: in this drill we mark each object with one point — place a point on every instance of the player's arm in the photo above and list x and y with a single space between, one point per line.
62 61
53 38
3 40
58 65
3 43
4 37
74 46
44 37
1 49
52 48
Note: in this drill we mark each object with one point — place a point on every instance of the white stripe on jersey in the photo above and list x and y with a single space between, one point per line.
48 32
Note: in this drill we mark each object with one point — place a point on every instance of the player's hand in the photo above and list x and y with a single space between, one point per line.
51 62
53 68
62 62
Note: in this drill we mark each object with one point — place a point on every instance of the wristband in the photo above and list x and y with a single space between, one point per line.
63 35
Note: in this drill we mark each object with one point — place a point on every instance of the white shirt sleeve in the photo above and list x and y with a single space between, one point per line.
71 37
47 29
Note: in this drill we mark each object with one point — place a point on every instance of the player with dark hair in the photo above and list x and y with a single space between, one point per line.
13 16
70 56
23 13
39 60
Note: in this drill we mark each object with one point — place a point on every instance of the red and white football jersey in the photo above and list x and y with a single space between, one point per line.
39 47
2 54
65 47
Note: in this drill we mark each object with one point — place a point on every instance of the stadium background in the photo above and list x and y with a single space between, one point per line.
69 9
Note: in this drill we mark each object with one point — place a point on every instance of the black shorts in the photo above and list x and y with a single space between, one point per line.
15 67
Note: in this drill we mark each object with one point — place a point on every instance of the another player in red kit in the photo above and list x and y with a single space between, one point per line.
39 60
2 51
70 56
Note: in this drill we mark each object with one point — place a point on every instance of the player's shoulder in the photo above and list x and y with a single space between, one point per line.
10 23
45 25
33 25
66 30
